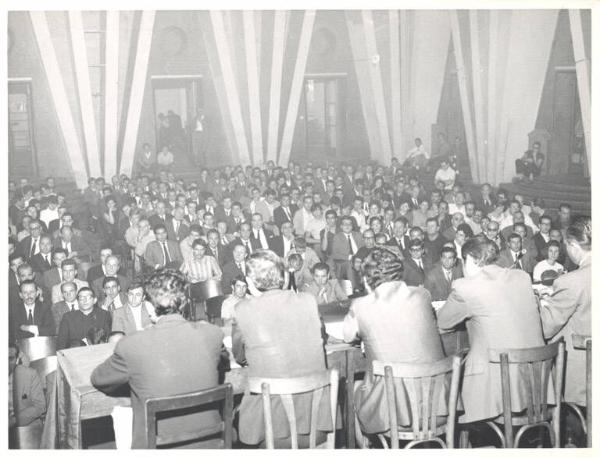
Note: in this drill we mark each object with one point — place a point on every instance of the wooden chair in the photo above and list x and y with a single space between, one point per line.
155 406
34 348
537 364
199 293
285 388
424 383
581 342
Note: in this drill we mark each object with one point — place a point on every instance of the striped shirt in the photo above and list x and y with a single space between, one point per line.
204 269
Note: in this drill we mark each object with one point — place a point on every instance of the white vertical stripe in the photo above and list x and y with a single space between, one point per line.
276 73
233 101
111 91
253 86
394 24
405 80
59 96
490 169
296 90
477 93
377 85
138 86
84 90
464 96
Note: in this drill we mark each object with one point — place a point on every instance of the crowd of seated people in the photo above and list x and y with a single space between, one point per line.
282 242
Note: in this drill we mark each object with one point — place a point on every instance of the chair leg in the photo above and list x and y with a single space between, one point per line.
498 431
463 441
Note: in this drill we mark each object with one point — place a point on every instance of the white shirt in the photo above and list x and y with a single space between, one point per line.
228 307
453 208
543 266
47 215
137 316
353 243
361 220
447 176
287 246
73 306
27 309
260 235
418 150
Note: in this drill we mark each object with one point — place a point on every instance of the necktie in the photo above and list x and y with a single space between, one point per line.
33 248
420 264
292 284
248 247
176 226
448 275
46 258
350 244
518 264
73 307
323 295
166 253
415 203
287 213
30 317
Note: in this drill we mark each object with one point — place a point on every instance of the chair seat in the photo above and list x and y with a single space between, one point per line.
522 420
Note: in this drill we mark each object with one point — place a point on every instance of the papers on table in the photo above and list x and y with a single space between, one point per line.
335 329
437 305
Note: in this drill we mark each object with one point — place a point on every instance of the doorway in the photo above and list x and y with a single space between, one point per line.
177 102
22 157
324 116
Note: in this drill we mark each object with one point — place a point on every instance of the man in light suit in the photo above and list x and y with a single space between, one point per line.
133 363
53 276
346 244
438 281
26 402
514 257
501 311
322 288
569 308
135 315
114 298
162 252
69 292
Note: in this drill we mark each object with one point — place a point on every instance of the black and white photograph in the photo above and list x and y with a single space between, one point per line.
249 227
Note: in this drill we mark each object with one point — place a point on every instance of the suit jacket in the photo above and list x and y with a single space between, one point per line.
394 242
506 260
501 311
96 272
51 277
154 253
433 250
29 402
39 264
569 311
437 284
24 247
42 318
230 271
123 321
75 325
58 310
279 216
156 220
97 286
277 245
540 245
487 208
256 241
279 334
340 249
378 317
413 274
182 232
137 356
78 244
57 295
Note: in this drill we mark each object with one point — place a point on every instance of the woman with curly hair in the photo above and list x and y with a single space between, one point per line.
396 323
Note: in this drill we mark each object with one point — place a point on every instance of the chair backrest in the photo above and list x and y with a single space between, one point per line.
35 348
425 385
285 388
536 366
581 342
347 287
155 406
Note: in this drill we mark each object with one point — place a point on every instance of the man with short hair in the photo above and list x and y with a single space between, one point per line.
415 267
68 273
30 245
112 266
346 244
434 241
514 257
69 292
136 314
400 239
492 233
114 298
542 237
177 227
284 212
29 317
162 252
284 243
53 276
76 324
324 289
235 267
438 281
456 220
42 261
303 216
182 371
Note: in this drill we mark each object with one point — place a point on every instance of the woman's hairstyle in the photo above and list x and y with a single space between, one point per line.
265 269
199 242
482 250
380 266
167 290
580 231
465 229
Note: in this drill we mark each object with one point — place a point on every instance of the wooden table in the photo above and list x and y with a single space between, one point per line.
72 398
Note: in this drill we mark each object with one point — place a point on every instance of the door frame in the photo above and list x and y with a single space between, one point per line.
28 83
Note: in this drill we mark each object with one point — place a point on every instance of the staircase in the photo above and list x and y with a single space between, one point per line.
557 189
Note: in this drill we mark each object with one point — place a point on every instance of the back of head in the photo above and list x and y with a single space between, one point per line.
580 231
483 251
265 269
380 266
167 290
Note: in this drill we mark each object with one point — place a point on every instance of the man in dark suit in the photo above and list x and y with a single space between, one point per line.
484 199
234 268
284 243
14 261
260 237
514 257
30 317
223 212
542 237
415 266
99 270
161 217
285 211
73 244
53 276
162 252
400 239
42 261
111 267
438 281
133 363
76 324
434 241
177 228
215 248
30 245
68 304
243 239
